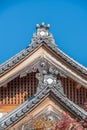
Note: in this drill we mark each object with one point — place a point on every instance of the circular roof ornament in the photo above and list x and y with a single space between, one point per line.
42 30
42 33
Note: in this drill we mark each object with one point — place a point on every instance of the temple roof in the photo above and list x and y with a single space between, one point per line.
27 106
41 37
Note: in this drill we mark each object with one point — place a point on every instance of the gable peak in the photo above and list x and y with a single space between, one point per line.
42 34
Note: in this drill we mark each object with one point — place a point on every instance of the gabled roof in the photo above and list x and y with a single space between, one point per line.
38 40
41 37
26 107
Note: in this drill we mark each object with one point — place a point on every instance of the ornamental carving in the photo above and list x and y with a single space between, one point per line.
42 35
47 76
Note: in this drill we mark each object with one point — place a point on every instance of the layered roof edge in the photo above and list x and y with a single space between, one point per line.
20 111
41 36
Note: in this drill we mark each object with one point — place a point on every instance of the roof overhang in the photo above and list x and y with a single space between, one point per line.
54 94
42 52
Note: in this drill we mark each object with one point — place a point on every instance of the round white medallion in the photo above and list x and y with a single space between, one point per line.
42 33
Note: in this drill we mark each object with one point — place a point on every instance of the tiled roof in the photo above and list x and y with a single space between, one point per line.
36 41
19 112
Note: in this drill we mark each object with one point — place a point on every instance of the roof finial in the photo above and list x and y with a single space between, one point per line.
43 25
42 29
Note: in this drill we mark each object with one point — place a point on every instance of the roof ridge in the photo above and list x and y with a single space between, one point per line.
73 59
39 37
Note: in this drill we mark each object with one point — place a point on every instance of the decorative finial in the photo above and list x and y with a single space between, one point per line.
43 25
42 34
37 25
42 29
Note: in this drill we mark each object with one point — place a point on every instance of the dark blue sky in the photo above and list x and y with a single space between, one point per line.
68 20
